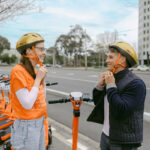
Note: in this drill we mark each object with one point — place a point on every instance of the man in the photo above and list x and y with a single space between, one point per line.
119 98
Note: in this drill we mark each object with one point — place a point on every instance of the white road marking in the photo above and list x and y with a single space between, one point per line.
68 134
80 146
58 92
70 74
53 129
93 76
74 79
147 114
54 72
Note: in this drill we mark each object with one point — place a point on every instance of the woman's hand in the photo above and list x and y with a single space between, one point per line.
41 73
40 76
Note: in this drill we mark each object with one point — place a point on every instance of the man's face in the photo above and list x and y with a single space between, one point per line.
111 60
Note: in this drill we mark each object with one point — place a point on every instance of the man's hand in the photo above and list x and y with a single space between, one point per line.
102 79
109 77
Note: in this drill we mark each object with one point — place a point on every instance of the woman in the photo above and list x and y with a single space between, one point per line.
28 95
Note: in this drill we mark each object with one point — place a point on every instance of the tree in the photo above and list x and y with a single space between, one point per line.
107 38
11 8
62 45
5 58
13 58
77 43
101 53
4 44
73 45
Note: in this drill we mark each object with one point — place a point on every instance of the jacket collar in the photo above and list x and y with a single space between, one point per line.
121 74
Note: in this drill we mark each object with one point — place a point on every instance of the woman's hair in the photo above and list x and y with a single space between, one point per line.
25 62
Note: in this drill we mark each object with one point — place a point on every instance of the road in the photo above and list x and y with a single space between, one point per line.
61 114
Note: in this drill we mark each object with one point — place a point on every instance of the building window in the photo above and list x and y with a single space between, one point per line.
147 45
144 17
144 31
143 53
144 10
147 31
148 9
144 39
144 25
148 17
148 2
143 46
147 38
148 24
144 3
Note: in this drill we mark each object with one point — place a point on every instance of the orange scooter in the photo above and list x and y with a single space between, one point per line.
76 98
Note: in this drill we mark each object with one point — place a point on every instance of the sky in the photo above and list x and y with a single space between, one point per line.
56 17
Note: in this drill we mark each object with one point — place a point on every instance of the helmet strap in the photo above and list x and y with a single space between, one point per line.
117 63
34 57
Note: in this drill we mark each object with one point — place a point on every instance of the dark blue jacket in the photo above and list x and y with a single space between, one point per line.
126 107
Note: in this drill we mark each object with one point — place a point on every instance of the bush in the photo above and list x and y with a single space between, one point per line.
6 59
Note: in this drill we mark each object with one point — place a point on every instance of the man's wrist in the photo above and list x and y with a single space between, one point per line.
111 85
99 87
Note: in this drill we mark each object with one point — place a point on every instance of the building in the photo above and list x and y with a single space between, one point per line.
144 32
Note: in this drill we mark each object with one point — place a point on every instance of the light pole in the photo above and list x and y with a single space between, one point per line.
85 48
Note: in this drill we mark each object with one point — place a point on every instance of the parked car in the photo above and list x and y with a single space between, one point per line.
48 65
143 68
58 66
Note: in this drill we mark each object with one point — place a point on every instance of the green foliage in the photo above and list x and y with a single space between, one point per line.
4 44
48 60
6 59
13 58
72 45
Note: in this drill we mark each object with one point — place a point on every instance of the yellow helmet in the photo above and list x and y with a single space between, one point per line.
126 50
29 38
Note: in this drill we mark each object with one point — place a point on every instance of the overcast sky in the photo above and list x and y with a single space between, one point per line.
57 16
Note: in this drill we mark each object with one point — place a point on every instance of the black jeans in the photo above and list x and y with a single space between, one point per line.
106 145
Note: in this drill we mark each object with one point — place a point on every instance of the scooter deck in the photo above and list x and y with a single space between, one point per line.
5 123
6 134
3 117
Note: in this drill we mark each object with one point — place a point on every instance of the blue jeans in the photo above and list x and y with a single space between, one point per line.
106 145
28 134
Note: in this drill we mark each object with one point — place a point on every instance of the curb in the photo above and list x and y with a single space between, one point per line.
60 93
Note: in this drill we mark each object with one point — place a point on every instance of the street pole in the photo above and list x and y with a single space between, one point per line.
85 60
85 52
53 58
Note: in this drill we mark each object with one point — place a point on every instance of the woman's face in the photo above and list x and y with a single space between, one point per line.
41 51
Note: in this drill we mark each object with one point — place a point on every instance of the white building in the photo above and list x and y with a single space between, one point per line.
144 32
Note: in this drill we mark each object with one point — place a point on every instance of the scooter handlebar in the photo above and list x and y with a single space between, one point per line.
50 84
65 100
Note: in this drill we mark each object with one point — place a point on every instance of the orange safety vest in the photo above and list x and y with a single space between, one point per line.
20 78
